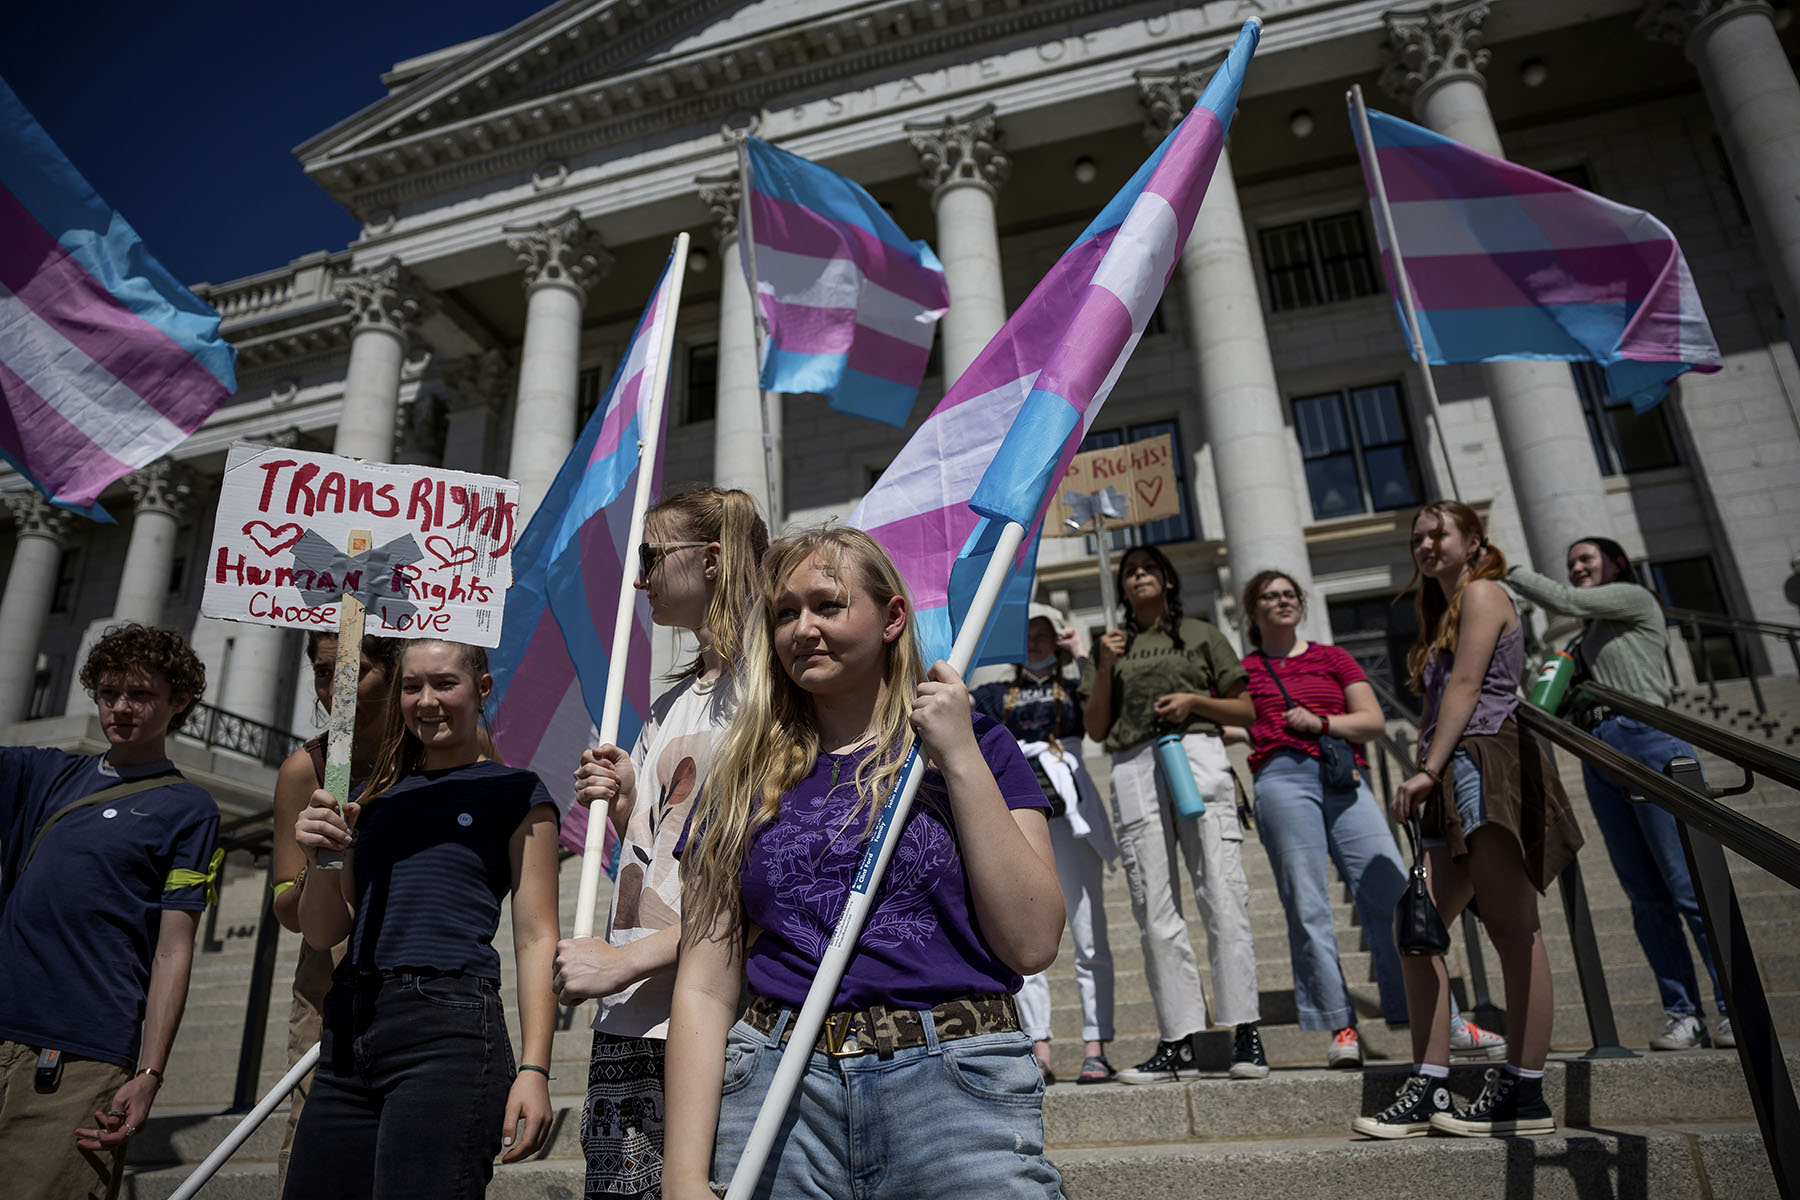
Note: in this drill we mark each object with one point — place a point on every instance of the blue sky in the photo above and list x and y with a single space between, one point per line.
183 115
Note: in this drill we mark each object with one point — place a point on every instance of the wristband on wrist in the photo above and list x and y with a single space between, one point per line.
1434 776
151 1071
1324 726
534 1067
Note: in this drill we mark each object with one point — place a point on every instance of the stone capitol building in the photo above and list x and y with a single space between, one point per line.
519 193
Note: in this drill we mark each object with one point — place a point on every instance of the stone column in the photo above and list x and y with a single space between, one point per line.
254 659
962 165
1435 59
161 492
1240 402
738 459
562 258
40 530
384 303
476 391
1755 100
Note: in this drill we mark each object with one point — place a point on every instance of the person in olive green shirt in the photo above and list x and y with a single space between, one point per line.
1164 672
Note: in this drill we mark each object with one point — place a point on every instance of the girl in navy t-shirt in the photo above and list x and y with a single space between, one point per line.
923 1028
416 1090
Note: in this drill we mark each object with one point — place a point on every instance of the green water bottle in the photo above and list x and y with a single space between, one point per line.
1553 679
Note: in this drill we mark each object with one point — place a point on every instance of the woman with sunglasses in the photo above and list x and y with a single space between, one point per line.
699 568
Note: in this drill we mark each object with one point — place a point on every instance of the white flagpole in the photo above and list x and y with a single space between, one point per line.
241 1134
593 858
758 322
1385 215
869 874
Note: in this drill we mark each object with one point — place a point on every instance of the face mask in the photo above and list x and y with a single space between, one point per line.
1040 664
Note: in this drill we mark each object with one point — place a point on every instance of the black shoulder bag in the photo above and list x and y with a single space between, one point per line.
1418 929
1337 762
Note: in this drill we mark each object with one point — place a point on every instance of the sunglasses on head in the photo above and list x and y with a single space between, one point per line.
651 553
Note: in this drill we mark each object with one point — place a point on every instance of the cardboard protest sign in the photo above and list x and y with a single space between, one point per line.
1144 471
439 557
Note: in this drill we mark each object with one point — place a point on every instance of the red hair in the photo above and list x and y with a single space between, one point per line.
1440 615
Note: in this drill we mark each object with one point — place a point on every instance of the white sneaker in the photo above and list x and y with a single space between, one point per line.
1683 1032
1472 1041
1723 1038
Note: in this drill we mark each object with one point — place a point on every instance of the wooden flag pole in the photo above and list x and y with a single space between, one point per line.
1385 215
869 874
758 323
593 856
341 726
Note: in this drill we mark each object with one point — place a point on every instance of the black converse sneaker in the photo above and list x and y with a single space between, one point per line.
1414 1110
1168 1064
1247 1058
1507 1107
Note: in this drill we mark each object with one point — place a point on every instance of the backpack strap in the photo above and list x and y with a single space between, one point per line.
117 792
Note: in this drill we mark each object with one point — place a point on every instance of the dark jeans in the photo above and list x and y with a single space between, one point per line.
410 1092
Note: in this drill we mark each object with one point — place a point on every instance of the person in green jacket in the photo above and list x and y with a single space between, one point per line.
1623 647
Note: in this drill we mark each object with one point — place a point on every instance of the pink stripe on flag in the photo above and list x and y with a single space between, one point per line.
617 420
886 357
799 230
544 675
1457 172
1189 165
62 456
48 280
1618 274
1105 326
808 329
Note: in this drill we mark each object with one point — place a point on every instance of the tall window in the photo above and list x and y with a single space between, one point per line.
1624 440
702 383
590 389
1358 451
68 576
1318 261
1692 583
1178 528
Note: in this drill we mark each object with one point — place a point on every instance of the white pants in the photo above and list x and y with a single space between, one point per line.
1079 868
1212 846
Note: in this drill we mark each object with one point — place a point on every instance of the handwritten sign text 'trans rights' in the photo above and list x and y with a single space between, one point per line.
1144 471
440 551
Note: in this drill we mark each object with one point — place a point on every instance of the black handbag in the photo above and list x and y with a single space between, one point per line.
1337 762
1418 930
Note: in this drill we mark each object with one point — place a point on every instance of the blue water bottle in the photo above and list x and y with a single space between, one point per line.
1172 760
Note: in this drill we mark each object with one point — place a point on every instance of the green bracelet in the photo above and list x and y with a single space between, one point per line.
532 1067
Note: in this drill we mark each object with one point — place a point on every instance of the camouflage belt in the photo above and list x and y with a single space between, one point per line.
882 1030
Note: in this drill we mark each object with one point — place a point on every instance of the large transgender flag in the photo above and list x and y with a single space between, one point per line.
995 446
850 303
106 360
1507 263
551 666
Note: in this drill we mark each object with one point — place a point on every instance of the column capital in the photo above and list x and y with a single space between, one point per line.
165 486
1428 47
1676 21
34 516
561 252
383 297
960 150
1169 93
476 381
721 195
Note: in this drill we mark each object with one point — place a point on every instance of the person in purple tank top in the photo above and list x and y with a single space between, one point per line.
922 1083
1496 822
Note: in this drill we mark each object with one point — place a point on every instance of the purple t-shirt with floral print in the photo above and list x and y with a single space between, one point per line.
921 945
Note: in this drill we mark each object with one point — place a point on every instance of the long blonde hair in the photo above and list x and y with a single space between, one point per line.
1440 616
726 516
773 741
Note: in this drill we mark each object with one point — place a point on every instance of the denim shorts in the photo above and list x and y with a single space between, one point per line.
948 1119
1471 808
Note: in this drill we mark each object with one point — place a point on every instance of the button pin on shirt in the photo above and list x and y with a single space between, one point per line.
465 820
110 813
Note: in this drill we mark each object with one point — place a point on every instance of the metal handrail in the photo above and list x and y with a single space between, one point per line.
1749 753
215 728
1691 620
1735 624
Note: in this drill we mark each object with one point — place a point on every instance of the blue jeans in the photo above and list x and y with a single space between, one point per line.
1300 822
1644 843
947 1119
414 1071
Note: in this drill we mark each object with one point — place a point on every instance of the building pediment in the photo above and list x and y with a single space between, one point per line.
586 74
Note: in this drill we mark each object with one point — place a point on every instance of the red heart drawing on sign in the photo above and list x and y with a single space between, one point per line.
1150 491
279 539
451 554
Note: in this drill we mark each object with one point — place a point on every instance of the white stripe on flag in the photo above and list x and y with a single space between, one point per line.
1137 264
1511 224
838 283
80 390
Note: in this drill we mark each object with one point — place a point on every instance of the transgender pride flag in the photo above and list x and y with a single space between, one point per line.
551 666
993 448
1506 263
849 302
106 361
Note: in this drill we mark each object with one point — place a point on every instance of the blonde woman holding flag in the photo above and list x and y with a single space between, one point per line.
698 565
